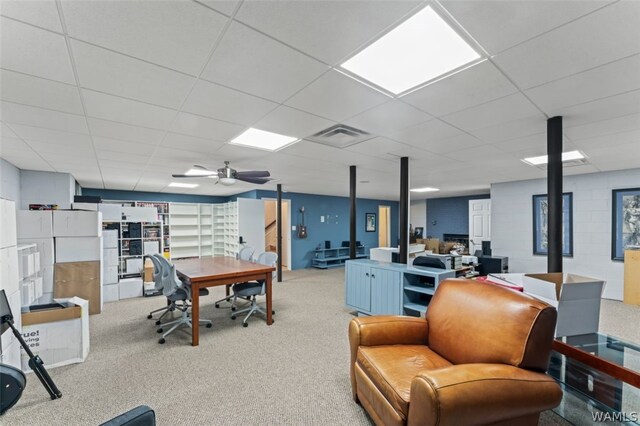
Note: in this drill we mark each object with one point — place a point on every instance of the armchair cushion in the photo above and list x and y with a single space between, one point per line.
392 369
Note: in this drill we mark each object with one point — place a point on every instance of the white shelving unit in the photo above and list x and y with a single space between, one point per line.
130 259
29 273
231 229
184 228
218 229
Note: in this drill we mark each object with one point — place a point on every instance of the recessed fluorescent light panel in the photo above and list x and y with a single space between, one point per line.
183 185
543 159
422 48
261 139
425 189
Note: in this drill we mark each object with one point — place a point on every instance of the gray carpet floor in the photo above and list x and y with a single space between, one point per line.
293 373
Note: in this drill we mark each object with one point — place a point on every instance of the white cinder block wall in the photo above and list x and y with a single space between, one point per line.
512 225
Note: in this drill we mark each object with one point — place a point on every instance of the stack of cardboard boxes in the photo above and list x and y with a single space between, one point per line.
36 227
110 265
9 282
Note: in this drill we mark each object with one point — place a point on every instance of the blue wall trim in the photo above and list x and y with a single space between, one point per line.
112 194
449 215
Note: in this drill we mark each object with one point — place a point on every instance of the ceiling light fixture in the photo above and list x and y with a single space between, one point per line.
183 185
425 189
422 48
261 139
543 159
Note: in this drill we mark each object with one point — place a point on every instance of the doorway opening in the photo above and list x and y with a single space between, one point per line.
271 229
384 226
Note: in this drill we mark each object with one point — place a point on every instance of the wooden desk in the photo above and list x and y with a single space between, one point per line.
216 271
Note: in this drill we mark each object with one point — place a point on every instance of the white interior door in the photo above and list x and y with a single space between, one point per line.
479 223
251 223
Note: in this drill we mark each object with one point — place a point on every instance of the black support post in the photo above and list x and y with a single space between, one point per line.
352 212
404 210
554 194
279 232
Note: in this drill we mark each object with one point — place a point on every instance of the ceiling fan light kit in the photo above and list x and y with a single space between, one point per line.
226 175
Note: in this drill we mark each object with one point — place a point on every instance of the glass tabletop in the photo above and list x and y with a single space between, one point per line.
590 393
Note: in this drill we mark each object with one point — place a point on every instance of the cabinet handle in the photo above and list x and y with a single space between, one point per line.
366 274
373 276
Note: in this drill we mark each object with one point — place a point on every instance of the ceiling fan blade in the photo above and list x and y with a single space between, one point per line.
253 174
195 176
256 180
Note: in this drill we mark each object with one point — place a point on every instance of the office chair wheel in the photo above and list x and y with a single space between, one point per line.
233 317
149 316
273 312
161 341
217 305
245 324
160 330
209 325
233 308
158 322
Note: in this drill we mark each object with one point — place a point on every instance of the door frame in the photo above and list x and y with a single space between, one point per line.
286 232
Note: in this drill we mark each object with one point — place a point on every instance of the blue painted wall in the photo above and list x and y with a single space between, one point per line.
335 209
449 215
112 194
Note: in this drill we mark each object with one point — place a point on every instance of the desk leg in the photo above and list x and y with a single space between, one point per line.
226 290
195 314
269 303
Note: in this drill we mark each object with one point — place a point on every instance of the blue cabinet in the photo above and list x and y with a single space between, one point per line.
373 291
380 288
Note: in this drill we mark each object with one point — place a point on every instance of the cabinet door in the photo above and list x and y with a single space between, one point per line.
386 292
358 286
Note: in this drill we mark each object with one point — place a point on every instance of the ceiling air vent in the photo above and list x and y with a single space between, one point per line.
340 136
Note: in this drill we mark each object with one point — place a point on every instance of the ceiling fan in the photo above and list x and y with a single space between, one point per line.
226 175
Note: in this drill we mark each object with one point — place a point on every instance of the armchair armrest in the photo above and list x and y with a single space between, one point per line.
480 393
384 330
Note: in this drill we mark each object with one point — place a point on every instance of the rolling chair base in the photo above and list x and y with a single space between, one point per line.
184 319
251 309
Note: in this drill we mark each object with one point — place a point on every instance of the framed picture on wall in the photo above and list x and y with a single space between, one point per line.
625 221
370 222
541 224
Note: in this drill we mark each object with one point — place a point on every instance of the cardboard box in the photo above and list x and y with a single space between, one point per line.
110 275
78 249
76 223
577 299
81 279
84 206
133 266
7 223
47 279
45 248
110 238
59 336
110 212
110 257
111 292
430 244
11 355
35 224
7 338
27 292
130 287
27 265
140 214
151 247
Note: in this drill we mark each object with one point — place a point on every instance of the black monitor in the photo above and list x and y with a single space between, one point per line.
430 262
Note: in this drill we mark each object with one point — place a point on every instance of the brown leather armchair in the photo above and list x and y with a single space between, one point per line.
479 357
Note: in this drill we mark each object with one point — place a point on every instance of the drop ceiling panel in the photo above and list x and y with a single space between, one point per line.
78 155
419 136
601 82
387 118
202 127
473 86
38 117
14 145
326 30
498 25
105 71
34 51
378 146
176 34
526 126
122 147
254 63
292 122
27 161
224 6
221 103
190 143
623 124
42 13
139 160
593 40
456 143
614 139
509 108
54 137
124 132
108 107
336 97
601 109
28 90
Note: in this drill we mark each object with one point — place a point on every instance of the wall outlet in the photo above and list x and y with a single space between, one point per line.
293 228
321 219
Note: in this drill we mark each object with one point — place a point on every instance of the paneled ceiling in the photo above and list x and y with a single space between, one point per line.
123 93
